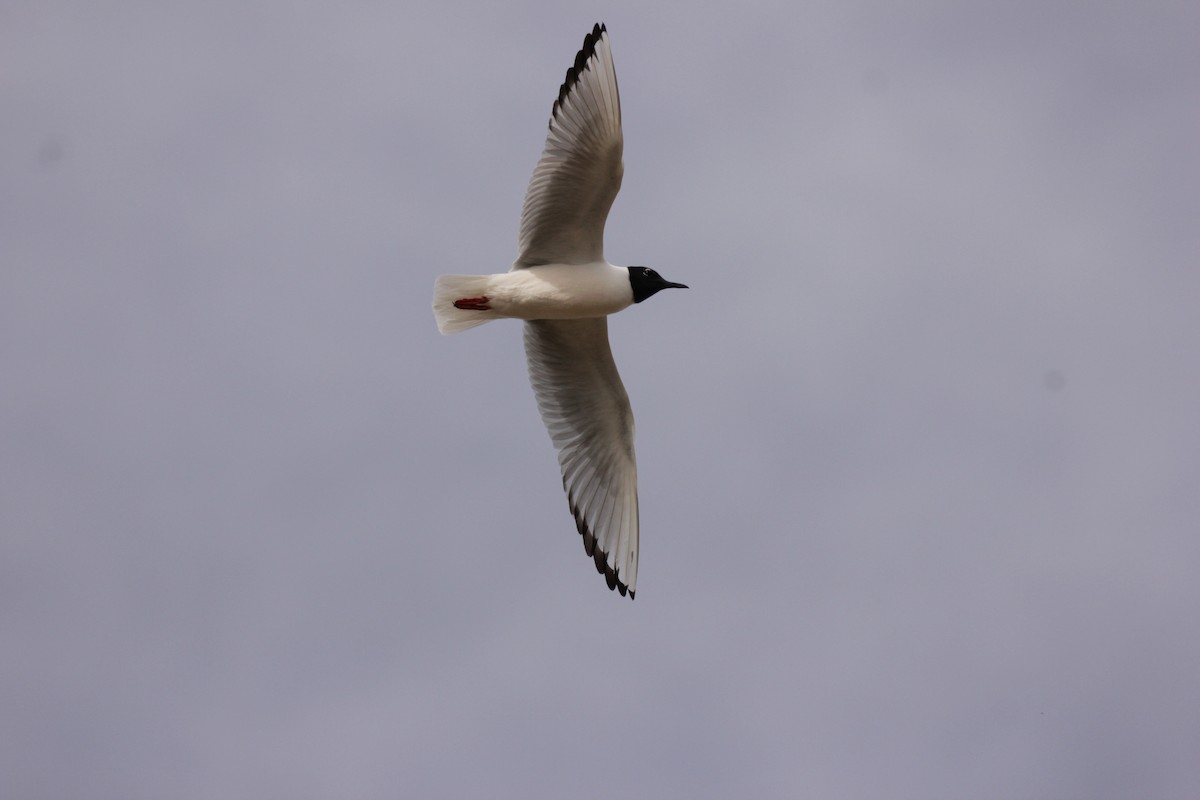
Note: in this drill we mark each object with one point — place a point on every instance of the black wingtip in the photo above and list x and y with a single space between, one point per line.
575 70
599 557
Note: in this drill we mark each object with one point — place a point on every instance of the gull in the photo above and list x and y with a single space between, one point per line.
564 289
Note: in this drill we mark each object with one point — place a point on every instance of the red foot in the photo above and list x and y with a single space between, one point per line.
473 303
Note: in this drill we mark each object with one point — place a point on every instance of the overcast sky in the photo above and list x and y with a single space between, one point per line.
919 451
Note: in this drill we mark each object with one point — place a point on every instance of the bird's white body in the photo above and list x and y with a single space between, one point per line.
550 291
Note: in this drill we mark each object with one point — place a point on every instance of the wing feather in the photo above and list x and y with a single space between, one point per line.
586 411
580 170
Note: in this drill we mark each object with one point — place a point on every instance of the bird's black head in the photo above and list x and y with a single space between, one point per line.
646 282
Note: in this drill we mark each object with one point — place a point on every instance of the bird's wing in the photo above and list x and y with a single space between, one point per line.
579 173
587 413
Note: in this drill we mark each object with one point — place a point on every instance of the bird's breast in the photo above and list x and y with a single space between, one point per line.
562 291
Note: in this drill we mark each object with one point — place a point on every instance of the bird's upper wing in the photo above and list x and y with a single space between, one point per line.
579 173
587 413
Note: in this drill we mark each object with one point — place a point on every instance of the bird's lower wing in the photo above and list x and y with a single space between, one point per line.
587 413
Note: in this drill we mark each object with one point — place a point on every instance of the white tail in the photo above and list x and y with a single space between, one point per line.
449 288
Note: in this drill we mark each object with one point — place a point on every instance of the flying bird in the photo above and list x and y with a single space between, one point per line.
564 289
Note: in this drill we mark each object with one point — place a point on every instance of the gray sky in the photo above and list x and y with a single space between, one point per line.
918 451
